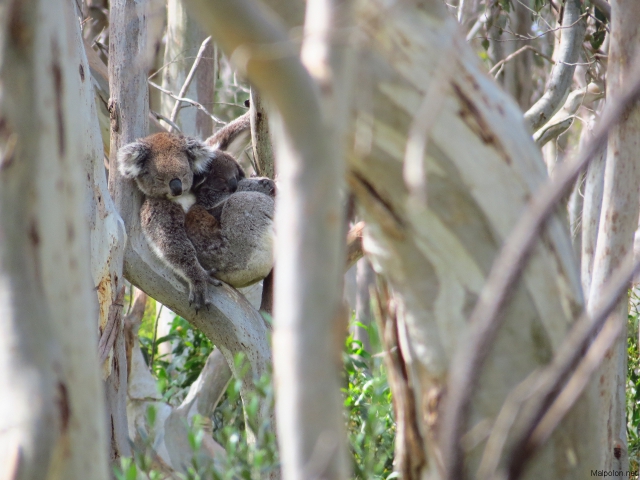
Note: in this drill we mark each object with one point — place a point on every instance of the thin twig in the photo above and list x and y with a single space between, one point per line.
187 100
485 321
189 79
526 38
159 116
518 52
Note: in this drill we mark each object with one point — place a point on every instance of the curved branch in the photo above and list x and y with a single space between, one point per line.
485 319
231 323
562 120
604 7
573 29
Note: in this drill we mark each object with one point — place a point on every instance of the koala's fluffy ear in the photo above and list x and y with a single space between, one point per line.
200 155
131 159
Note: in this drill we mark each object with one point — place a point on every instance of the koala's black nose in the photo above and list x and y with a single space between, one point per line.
176 187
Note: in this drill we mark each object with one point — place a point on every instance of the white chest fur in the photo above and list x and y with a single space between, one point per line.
185 201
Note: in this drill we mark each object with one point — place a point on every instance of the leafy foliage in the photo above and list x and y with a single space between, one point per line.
370 420
633 387
367 399
189 354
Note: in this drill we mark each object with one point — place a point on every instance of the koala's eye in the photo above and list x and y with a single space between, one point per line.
158 178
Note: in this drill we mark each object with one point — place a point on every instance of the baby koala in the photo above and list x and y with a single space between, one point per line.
231 224
163 166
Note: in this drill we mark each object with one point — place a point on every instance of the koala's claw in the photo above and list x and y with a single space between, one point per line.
198 296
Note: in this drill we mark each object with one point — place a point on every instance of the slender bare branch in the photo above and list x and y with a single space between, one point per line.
518 52
168 121
572 357
562 74
188 80
187 100
485 321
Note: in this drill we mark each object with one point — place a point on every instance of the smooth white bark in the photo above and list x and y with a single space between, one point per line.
51 423
308 221
618 222
480 168
168 436
557 88
592 204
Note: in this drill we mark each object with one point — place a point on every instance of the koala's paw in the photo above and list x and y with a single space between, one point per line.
212 279
198 295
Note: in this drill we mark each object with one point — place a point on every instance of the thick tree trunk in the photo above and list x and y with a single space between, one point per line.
435 222
618 222
308 221
51 406
128 109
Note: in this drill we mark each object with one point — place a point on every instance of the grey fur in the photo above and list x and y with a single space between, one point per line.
231 224
153 163
238 244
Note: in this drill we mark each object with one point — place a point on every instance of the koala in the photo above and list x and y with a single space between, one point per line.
231 223
219 181
235 238
163 166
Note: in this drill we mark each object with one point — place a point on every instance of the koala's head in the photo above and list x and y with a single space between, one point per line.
225 168
164 164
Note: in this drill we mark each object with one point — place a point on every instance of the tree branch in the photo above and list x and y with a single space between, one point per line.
515 54
604 7
189 79
572 367
485 319
562 120
187 100
260 137
573 29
